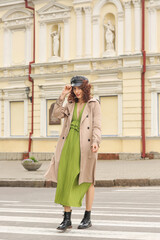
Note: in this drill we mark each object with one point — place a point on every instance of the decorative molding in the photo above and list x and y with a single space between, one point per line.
81 1
101 3
131 62
127 4
137 3
53 12
107 84
9 3
14 93
81 66
16 18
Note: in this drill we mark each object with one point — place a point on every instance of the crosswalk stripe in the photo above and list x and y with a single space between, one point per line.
9 201
104 207
129 203
77 221
82 233
79 212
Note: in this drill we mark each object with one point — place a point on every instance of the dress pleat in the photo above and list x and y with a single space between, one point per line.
69 192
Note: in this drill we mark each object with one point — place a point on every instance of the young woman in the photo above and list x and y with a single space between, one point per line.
73 166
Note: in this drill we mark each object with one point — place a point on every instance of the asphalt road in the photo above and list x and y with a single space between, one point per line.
118 213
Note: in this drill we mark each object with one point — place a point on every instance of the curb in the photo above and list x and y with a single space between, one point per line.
99 183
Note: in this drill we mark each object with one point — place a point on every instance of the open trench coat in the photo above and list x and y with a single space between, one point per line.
90 132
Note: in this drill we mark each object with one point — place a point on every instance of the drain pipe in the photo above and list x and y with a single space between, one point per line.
143 81
29 76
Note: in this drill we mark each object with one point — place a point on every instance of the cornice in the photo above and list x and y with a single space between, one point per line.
4 3
81 1
3 79
87 72
152 67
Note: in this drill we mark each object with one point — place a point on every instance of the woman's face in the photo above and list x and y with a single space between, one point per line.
78 92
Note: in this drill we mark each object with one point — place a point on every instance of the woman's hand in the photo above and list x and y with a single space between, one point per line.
94 147
67 89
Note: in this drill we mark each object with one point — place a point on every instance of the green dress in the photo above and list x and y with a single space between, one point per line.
69 192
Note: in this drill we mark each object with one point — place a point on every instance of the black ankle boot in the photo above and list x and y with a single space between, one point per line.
66 221
86 221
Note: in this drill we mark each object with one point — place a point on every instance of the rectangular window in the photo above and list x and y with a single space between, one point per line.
109 110
17 118
53 125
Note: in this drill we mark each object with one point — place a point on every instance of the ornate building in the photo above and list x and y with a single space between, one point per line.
100 39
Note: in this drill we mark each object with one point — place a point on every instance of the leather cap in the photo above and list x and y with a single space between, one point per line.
78 80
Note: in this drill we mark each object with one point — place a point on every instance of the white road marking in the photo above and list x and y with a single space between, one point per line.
79 212
108 207
77 221
81 233
129 203
9 201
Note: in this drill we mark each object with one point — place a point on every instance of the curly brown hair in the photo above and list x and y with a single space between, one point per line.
86 89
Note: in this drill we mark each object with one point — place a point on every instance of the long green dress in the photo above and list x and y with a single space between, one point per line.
69 192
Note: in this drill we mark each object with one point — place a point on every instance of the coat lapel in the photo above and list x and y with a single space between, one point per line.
85 113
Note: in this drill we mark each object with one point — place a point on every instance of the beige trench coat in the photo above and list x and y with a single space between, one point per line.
90 132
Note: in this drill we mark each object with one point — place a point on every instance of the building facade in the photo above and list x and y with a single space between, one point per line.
100 39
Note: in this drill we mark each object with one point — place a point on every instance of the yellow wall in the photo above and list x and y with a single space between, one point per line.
130 75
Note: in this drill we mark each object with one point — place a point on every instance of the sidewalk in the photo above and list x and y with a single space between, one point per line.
109 173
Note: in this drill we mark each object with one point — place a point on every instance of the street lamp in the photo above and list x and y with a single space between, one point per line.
27 90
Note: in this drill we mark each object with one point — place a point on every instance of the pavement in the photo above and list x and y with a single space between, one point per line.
109 173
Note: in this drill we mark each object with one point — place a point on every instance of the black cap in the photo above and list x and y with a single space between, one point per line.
77 81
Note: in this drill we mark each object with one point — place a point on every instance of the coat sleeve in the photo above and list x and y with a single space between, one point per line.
96 134
59 111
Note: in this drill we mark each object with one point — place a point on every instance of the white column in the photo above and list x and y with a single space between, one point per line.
7 47
66 39
128 26
96 36
28 44
6 118
137 26
79 34
42 42
87 31
120 33
152 30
